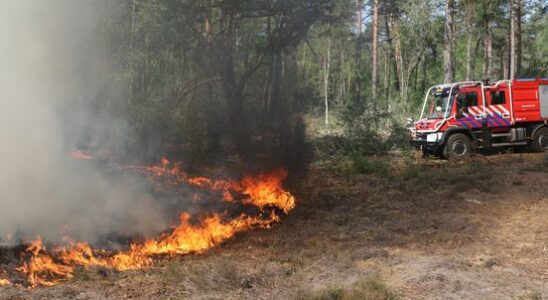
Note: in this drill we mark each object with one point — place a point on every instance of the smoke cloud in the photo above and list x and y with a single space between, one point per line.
50 62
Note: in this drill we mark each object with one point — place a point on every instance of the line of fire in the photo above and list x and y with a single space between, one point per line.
44 265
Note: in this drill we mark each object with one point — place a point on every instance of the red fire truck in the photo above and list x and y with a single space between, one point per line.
460 118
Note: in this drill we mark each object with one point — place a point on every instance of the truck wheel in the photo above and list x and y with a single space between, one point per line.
458 147
540 140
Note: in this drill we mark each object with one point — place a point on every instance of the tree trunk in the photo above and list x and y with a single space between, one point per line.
507 61
276 95
448 56
305 72
512 68
327 70
424 75
375 50
232 88
234 98
389 24
476 49
469 7
342 78
519 15
488 49
359 41
131 46
386 75
394 29
399 58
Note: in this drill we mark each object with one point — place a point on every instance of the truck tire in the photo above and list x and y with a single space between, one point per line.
540 140
458 147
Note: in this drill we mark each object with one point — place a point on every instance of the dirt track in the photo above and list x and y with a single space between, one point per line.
435 230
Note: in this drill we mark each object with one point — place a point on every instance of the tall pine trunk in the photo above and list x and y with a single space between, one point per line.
507 58
131 50
359 42
395 37
327 70
448 55
469 7
519 15
375 50
488 49
386 74
232 88
512 68
389 21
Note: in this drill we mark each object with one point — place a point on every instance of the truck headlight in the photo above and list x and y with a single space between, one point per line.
434 137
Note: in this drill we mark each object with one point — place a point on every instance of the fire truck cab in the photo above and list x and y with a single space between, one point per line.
460 118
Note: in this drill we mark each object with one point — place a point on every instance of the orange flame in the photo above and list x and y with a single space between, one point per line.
46 268
4 282
261 191
41 269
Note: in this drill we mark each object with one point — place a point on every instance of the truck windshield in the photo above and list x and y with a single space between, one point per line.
439 102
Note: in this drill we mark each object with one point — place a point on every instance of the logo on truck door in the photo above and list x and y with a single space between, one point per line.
499 116
498 113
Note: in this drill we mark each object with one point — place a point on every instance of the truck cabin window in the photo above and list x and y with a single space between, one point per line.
498 98
471 99
440 103
464 101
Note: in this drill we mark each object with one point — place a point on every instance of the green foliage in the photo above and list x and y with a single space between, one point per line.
365 165
343 146
329 294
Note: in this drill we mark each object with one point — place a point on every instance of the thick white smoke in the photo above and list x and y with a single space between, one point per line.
49 59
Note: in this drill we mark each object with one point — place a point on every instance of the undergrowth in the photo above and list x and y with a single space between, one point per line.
368 289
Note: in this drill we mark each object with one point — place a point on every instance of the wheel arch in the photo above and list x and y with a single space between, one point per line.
464 130
535 129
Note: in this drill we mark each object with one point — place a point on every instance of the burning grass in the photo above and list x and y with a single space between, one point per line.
42 266
4 282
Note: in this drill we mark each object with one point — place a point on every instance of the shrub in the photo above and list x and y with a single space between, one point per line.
369 289
364 165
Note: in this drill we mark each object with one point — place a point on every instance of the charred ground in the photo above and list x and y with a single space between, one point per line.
406 228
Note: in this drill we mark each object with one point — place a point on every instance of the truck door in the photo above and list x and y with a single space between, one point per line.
470 109
498 108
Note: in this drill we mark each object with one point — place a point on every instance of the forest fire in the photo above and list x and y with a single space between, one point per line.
42 266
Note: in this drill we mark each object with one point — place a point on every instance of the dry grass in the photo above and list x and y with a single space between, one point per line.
413 229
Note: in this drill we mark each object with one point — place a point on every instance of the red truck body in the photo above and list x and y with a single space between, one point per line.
483 115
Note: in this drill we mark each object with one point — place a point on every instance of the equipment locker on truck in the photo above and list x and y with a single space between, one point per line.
459 118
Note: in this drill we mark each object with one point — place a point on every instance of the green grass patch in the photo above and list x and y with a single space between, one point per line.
368 289
365 165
